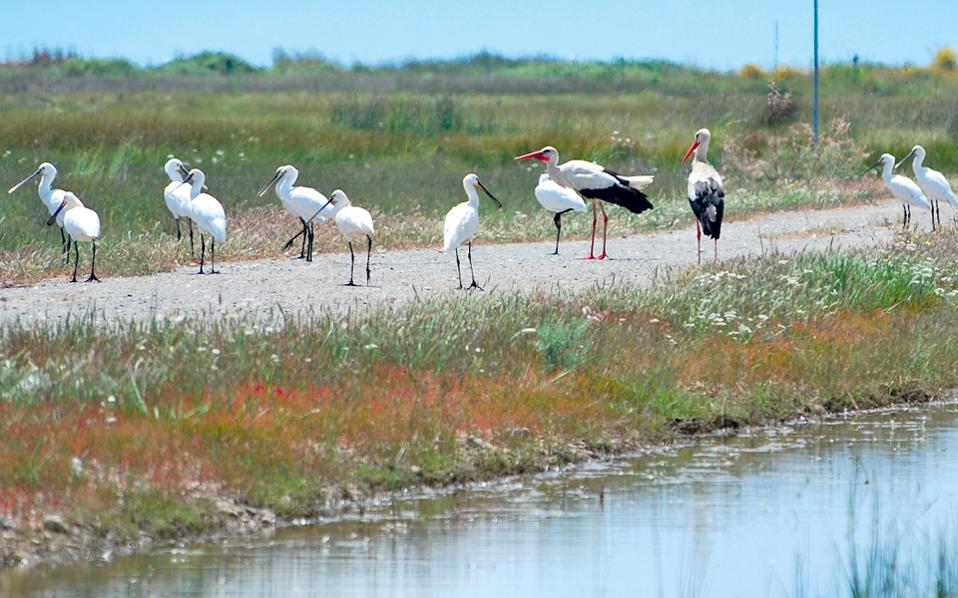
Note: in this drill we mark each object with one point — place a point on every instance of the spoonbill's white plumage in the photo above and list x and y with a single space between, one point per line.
303 202
82 224
208 214
597 183
177 197
51 198
903 189
706 192
462 224
559 200
931 182
351 221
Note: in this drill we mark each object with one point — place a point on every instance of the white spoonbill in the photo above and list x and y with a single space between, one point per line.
351 220
51 198
177 197
462 224
207 212
931 182
705 191
903 189
82 224
597 183
303 202
559 200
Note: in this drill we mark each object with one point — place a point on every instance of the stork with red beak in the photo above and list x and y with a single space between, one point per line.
597 183
705 191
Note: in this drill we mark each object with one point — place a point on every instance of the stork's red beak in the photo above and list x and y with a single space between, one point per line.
690 152
536 155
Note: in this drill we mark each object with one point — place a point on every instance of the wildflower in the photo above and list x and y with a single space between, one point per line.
370 346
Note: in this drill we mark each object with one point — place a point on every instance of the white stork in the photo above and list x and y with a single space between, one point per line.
462 224
559 200
595 182
705 191
904 189
931 182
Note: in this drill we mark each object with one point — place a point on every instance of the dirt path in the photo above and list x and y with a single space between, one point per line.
293 285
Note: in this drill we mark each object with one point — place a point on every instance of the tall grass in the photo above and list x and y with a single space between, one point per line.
282 411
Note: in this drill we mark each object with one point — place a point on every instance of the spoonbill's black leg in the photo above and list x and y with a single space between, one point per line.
64 244
309 247
92 276
76 261
352 262
178 235
302 248
458 268
192 250
558 223
213 269
369 251
474 285
202 251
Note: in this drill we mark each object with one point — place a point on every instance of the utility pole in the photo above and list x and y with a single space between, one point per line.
775 64
815 93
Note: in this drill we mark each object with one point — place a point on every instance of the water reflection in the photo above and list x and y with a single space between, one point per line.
759 514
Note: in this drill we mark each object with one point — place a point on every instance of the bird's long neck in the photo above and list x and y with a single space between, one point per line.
473 196
46 183
917 164
175 175
284 187
886 170
196 188
702 152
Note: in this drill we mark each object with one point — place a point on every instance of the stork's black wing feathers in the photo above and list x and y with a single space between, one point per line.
621 194
708 204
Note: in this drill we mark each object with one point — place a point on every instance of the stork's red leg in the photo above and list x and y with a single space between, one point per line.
595 220
605 227
698 238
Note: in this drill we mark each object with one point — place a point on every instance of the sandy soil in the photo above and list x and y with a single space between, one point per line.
258 287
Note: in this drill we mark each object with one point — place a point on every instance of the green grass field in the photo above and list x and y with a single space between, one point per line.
399 140
283 415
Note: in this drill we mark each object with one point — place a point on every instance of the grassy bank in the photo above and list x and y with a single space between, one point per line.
148 428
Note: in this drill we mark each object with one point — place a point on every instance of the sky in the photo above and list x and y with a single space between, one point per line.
722 34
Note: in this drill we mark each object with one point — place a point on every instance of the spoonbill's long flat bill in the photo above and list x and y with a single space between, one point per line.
931 182
705 191
597 183
351 221
177 197
903 189
208 214
303 202
559 200
82 224
51 198
462 224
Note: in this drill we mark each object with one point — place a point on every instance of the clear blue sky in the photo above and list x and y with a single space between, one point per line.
712 33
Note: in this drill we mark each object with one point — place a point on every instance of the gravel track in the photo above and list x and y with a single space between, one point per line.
256 287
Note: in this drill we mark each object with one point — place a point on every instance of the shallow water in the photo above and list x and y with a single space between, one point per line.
760 514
